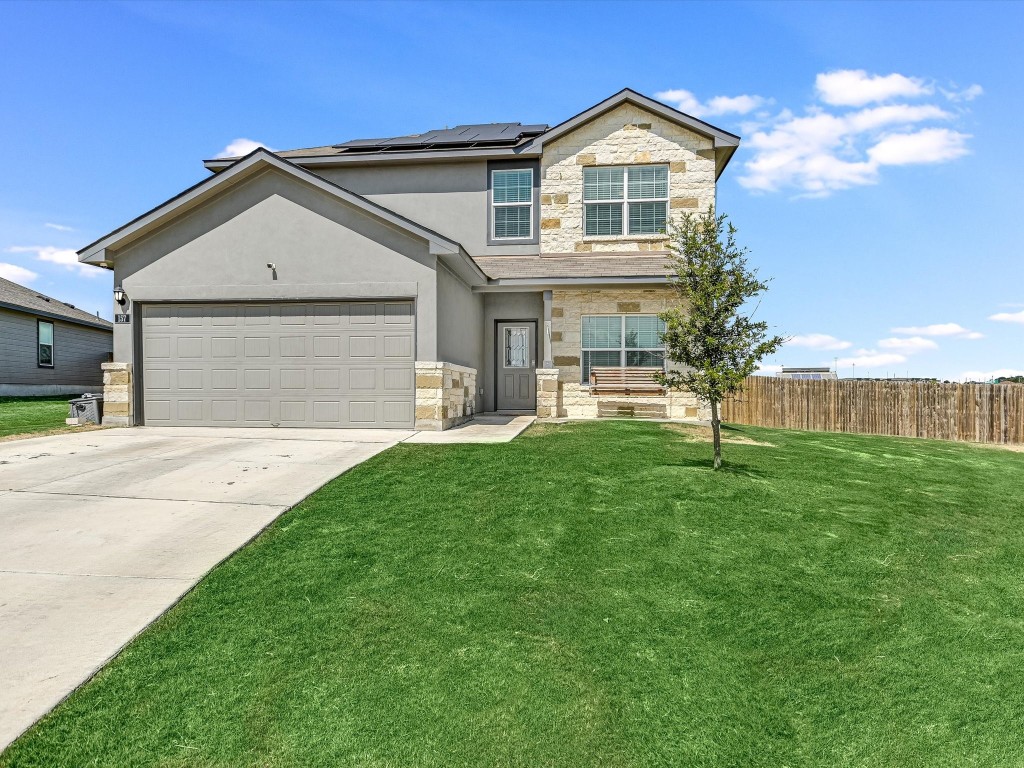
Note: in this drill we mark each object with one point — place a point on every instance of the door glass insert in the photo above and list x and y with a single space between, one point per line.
517 347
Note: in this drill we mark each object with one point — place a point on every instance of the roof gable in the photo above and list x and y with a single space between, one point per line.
256 161
629 96
724 143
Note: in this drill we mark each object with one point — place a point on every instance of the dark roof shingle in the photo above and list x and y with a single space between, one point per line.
574 265
29 300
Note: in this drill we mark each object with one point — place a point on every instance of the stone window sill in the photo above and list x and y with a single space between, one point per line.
621 238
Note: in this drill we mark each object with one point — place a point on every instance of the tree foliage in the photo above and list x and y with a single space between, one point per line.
715 344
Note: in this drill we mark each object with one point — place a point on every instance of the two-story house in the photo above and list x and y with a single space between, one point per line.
410 281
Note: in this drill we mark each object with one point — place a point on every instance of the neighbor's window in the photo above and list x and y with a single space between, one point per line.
512 203
633 341
634 196
45 334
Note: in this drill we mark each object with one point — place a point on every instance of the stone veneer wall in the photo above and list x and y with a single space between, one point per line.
445 395
560 393
627 135
118 409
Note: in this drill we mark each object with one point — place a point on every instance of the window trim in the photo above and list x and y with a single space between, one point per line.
39 343
625 200
623 349
493 220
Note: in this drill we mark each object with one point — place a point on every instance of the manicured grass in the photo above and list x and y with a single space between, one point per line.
28 415
592 594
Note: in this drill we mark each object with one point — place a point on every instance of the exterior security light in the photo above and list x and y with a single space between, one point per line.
119 296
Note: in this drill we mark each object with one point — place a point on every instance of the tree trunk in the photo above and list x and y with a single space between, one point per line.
716 431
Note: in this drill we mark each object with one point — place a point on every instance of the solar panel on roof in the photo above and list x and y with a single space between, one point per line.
461 136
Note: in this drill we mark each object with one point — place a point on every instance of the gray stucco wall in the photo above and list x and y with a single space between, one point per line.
460 324
322 248
78 352
450 198
506 306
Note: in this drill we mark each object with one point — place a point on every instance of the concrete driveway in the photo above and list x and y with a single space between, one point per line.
100 532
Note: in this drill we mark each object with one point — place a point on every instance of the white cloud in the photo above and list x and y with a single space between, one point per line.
908 345
855 87
939 329
59 227
970 93
769 369
825 149
16 274
871 358
1008 317
241 148
63 256
989 375
686 101
932 145
818 341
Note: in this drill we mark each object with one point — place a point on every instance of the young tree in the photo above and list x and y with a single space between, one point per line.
706 332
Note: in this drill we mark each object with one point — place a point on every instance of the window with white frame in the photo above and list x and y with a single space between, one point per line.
44 333
633 341
625 199
512 204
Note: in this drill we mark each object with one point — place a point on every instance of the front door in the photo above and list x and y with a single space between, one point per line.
517 366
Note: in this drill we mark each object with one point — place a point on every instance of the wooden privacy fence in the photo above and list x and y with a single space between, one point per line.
977 413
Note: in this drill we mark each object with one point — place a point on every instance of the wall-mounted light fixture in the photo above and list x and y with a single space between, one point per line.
120 296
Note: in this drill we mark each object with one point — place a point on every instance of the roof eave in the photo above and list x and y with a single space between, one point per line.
541 283
99 325
372 158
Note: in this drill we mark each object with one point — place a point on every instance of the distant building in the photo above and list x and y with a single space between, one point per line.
808 374
49 347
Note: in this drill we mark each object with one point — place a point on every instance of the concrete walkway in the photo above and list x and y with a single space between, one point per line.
101 532
482 428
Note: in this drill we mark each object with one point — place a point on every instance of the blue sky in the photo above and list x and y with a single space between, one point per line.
878 182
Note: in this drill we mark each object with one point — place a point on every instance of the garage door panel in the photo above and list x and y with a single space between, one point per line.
399 380
190 347
190 410
327 314
257 346
398 347
257 315
294 314
338 364
224 410
190 378
158 379
224 378
293 346
256 410
397 412
362 346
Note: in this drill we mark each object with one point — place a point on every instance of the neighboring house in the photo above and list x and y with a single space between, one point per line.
48 347
411 281
809 374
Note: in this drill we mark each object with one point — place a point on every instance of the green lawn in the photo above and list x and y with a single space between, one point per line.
27 415
592 594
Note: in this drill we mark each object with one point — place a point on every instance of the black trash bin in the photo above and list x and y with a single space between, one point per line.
87 409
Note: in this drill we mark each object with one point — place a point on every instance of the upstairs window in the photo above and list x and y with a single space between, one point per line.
44 332
512 203
625 200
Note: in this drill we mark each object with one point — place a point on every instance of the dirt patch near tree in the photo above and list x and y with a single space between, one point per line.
698 433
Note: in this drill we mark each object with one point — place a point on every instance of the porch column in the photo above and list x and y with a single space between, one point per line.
548 362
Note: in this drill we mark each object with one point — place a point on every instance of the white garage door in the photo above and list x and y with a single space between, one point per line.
339 364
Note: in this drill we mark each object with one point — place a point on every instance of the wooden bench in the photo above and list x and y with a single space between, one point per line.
625 381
